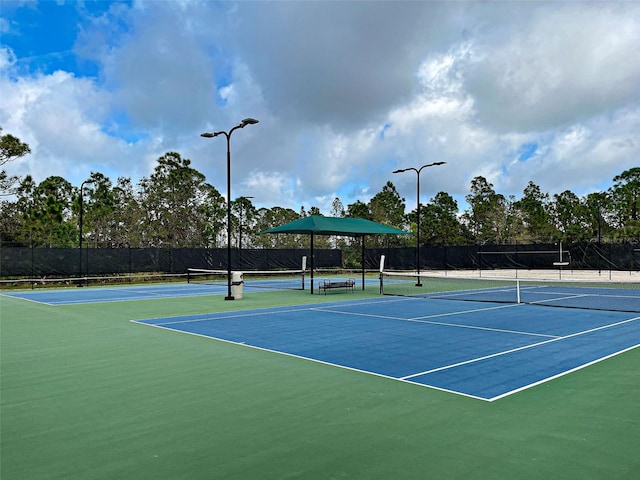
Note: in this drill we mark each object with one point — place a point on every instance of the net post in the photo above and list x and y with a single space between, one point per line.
304 269
382 257
518 290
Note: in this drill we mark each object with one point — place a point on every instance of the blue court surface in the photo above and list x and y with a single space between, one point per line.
75 295
485 351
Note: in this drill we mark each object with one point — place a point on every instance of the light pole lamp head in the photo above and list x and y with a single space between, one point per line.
85 183
434 164
248 121
242 124
210 134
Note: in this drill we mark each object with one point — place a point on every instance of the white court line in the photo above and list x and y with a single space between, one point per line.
26 299
265 311
331 309
423 319
310 359
221 316
562 374
408 378
506 352
556 299
133 293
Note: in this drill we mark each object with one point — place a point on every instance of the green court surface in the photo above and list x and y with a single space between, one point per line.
86 394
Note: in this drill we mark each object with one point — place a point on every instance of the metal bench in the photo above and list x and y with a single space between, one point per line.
348 285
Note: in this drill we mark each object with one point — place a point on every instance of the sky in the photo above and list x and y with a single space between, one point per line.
345 93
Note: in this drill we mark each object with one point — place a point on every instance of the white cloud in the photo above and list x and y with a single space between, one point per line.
61 117
566 64
339 63
346 92
274 188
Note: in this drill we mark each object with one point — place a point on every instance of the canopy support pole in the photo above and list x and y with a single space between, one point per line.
363 267
312 263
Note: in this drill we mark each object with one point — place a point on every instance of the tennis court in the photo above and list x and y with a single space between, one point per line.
76 296
199 286
485 352
284 384
491 341
589 294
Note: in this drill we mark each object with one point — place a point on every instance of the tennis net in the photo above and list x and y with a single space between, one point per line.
586 294
107 280
264 279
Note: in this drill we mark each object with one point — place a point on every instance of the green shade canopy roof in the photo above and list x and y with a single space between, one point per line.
352 227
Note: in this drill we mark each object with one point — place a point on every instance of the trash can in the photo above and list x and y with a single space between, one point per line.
236 285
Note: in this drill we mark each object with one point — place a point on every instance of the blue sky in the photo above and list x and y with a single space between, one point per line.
42 35
346 92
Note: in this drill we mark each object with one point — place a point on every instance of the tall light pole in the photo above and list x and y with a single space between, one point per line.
242 124
418 170
80 201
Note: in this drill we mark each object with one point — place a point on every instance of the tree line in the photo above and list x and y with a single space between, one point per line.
175 207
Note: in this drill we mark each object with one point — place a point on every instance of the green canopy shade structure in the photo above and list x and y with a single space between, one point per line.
348 227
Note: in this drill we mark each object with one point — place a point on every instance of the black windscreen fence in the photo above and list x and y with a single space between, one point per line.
579 256
62 262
